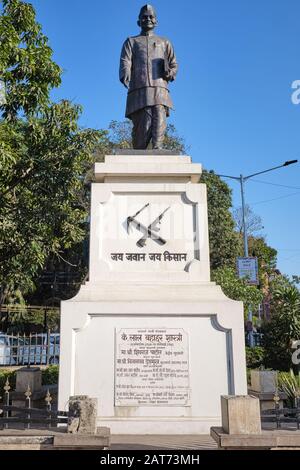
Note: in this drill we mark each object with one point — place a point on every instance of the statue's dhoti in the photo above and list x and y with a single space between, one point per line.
149 123
148 108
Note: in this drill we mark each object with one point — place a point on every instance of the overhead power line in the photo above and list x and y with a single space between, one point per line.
274 199
275 184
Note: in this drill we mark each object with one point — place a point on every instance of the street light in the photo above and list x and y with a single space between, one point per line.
242 179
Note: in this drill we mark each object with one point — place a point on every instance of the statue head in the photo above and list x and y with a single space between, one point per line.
147 18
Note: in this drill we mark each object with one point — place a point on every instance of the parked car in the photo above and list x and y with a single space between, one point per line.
36 349
8 353
54 348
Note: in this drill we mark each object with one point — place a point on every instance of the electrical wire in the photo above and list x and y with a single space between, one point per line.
274 199
274 184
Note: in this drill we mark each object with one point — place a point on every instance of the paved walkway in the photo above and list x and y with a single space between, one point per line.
162 442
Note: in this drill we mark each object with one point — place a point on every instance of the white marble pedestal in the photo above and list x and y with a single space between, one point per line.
149 335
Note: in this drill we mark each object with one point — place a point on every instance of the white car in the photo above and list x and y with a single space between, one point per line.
36 349
7 350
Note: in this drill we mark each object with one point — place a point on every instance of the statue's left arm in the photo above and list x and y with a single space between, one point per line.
172 64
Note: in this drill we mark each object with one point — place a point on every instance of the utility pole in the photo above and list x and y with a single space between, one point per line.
242 179
246 252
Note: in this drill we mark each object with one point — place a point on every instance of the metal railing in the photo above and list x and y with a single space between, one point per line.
282 416
16 308
28 416
32 349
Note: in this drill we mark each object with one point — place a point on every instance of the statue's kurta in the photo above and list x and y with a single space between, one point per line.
146 59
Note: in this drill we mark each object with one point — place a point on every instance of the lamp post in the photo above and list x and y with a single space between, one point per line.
242 179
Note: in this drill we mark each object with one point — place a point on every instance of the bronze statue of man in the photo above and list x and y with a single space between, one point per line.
147 64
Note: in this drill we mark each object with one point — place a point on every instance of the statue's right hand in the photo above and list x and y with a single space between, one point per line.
125 80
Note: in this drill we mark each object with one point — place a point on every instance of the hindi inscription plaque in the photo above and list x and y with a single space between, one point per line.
152 367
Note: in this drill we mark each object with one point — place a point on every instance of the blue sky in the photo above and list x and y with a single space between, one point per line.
237 61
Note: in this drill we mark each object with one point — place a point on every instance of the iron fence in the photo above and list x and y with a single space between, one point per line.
32 349
27 416
282 416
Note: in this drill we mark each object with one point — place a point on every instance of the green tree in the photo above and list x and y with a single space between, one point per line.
44 155
41 211
61 276
279 281
26 65
267 259
283 328
224 243
267 256
237 289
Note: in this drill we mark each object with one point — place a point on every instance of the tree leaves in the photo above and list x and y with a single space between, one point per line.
39 190
224 243
284 326
237 289
26 64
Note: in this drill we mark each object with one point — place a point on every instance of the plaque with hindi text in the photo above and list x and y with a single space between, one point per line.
152 367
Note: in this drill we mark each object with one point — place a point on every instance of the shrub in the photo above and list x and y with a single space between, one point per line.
283 328
289 383
50 375
255 357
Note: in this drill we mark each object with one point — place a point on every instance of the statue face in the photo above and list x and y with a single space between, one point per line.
147 21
